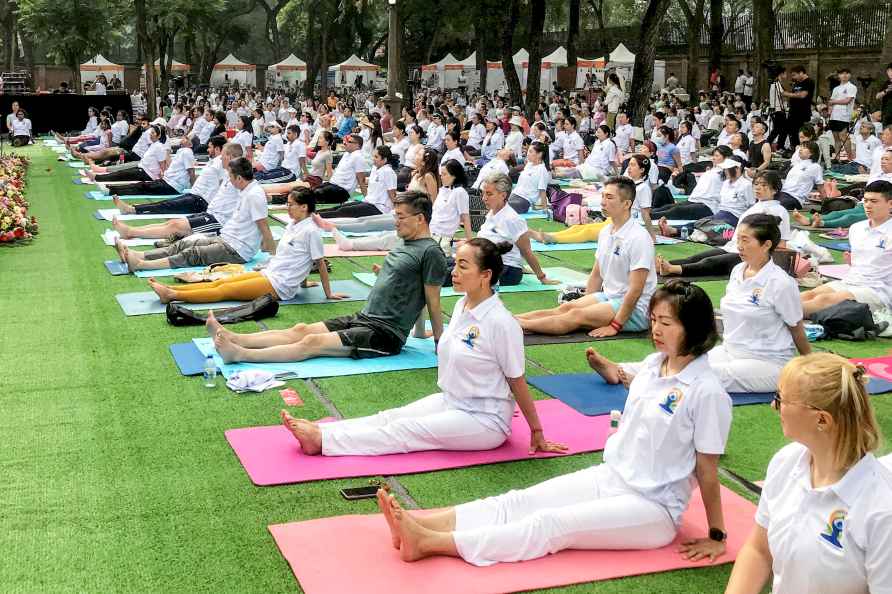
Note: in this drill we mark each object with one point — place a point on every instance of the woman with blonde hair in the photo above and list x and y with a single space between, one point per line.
824 522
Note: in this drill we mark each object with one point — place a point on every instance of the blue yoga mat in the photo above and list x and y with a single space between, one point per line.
418 353
147 302
116 267
188 358
839 246
98 195
77 181
562 247
589 394
529 283
534 214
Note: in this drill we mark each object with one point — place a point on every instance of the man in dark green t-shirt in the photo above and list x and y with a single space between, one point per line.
410 278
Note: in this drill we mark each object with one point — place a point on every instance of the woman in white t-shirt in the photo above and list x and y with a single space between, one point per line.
532 182
244 137
21 129
400 143
502 163
451 206
686 145
634 499
600 160
380 194
704 200
282 277
824 522
514 140
803 177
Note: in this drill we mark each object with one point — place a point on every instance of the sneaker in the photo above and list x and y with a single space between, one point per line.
883 317
810 280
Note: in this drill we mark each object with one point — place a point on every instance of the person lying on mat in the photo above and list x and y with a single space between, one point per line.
824 522
409 279
621 282
720 261
761 315
869 279
503 224
636 498
296 254
240 238
178 173
150 166
480 366
132 147
218 211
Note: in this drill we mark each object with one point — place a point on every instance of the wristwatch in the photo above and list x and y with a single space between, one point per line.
717 535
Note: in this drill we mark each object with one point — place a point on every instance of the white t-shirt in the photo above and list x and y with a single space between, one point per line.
771 207
643 198
177 174
241 232
864 149
294 152
843 113
152 159
828 539
613 99
666 422
222 206
476 135
21 127
687 147
494 166
479 349
381 181
572 145
435 136
708 189
450 204
204 134
119 130
802 178
620 251
492 143
345 173
244 139
623 135
757 313
300 245
399 148
533 179
505 225
871 262
601 158
209 180
453 154
514 141
273 151
737 196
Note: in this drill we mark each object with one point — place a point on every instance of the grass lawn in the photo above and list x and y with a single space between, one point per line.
117 477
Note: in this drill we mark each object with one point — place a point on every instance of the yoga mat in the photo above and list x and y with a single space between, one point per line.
147 302
366 557
98 195
107 214
529 283
534 214
260 258
271 455
78 165
188 358
589 394
332 251
538 246
839 246
877 367
79 182
576 337
116 267
109 236
835 271
417 353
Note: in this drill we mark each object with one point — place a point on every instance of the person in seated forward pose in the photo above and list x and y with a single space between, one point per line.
636 498
298 250
621 282
409 279
869 279
481 364
824 522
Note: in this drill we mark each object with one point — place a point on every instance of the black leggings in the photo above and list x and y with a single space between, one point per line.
132 174
350 210
329 193
789 202
157 187
714 262
779 129
185 204
682 210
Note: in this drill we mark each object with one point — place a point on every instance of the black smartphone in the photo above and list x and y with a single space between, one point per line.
360 492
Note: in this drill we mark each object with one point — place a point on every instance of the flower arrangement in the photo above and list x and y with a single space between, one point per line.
15 224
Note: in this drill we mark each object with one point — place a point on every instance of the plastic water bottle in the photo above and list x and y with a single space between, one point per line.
684 233
815 263
210 373
615 417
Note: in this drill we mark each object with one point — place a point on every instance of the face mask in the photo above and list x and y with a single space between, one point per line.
659 141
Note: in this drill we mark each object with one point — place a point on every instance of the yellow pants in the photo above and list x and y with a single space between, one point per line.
240 287
579 233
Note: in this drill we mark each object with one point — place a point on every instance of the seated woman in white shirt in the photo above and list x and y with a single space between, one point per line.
451 207
149 167
492 142
704 200
514 140
600 160
869 279
502 163
178 175
621 282
381 191
414 156
244 136
480 375
87 134
824 522
476 134
21 129
634 499
453 148
533 181
89 152
803 177
686 144
282 277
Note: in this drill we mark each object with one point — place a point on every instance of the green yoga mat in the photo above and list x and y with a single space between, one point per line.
529 283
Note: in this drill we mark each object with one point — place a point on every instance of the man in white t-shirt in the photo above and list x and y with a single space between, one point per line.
352 171
295 159
269 165
625 134
842 104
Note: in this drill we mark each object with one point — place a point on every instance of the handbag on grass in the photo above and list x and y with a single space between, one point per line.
259 309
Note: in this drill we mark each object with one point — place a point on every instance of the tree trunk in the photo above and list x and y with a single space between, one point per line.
763 29
508 68
323 61
716 33
148 59
643 73
534 45
573 33
695 26
480 38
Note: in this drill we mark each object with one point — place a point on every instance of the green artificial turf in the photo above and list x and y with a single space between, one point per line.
117 477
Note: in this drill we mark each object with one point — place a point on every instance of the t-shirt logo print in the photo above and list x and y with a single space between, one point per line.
617 247
833 532
882 244
472 335
756 296
671 401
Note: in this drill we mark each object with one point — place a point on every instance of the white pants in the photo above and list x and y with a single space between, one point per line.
445 243
588 509
426 424
739 374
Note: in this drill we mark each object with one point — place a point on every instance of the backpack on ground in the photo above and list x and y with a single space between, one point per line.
559 200
259 309
848 320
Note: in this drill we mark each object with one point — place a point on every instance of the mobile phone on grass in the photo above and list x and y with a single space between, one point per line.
354 493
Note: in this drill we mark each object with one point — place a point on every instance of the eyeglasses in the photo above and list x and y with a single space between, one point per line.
777 401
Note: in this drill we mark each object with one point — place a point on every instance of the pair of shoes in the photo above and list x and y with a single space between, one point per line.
881 317
810 280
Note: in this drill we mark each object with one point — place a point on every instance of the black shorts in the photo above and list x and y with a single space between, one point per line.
203 223
837 126
365 338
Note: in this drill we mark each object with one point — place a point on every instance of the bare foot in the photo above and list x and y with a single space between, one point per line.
165 293
212 325
800 218
91 174
667 230
134 261
228 350
323 224
123 206
816 220
603 366
411 535
123 229
305 432
121 249
384 504
659 264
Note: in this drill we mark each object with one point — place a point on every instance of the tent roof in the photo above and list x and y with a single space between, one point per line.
556 58
353 63
622 55
591 62
291 60
99 62
470 61
522 55
230 61
448 60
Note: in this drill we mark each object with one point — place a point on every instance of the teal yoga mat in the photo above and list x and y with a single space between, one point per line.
562 247
77 165
418 353
97 195
116 268
527 285
147 303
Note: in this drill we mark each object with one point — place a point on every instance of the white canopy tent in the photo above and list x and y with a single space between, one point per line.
624 62
550 64
290 71
231 69
175 67
585 66
495 77
446 71
347 71
99 65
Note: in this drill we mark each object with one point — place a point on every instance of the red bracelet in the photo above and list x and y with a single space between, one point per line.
616 325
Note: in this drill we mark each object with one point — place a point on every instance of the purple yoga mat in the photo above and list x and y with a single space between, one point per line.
834 271
272 456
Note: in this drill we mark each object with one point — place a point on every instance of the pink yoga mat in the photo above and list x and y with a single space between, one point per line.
332 251
836 271
271 455
341 554
880 367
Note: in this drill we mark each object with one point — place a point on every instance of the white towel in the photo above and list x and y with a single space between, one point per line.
253 381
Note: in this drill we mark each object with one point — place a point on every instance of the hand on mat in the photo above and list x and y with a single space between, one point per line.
337 296
549 281
376 268
538 443
603 332
701 548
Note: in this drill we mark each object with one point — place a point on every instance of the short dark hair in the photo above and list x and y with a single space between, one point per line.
457 171
772 178
880 187
571 120
242 168
417 201
218 141
813 149
625 185
798 68
304 196
689 304
765 227
489 256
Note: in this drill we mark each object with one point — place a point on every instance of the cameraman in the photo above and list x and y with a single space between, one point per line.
777 106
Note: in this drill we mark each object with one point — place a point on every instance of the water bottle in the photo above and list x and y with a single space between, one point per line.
813 260
684 233
615 417
210 373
